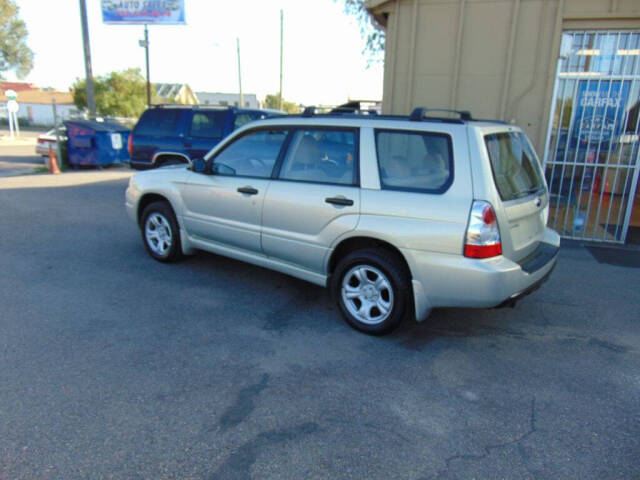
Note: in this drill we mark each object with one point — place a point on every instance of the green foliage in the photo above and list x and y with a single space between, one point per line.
273 101
14 52
122 94
372 32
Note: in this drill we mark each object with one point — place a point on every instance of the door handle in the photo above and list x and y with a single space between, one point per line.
339 201
248 190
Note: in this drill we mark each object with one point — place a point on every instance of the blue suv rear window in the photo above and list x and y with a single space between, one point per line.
158 122
208 124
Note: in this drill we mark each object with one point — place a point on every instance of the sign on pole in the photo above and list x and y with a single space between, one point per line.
12 110
138 12
12 106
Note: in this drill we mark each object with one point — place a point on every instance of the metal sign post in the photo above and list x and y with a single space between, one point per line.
240 99
281 30
146 56
145 43
10 122
91 101
12 110
57 130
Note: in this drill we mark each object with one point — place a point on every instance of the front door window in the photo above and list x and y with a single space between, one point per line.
252 155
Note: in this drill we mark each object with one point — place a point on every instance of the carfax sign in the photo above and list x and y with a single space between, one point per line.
599 111
167 12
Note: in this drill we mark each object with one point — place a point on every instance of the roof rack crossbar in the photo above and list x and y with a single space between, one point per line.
188 105
309 111
419 113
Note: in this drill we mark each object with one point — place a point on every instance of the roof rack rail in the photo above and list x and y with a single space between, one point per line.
419 113
159 105
187 105
353 107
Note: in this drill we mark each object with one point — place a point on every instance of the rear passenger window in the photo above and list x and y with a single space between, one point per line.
321 156
414 161
208 124
246 117
158 122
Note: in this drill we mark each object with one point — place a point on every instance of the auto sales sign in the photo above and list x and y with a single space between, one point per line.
599 111
137 12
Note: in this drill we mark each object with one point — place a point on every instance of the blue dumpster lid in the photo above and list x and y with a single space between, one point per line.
106 126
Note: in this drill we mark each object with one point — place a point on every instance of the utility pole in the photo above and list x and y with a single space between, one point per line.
145 43
241 99
91 101
281 29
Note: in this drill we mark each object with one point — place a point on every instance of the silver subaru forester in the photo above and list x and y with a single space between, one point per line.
395 214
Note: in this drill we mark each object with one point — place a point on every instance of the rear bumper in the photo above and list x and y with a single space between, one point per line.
511 301
442 280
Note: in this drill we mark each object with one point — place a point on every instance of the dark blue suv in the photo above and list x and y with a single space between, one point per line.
167 134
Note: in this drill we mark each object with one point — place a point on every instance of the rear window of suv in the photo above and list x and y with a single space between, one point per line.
208 124
158 122
516 169
414 161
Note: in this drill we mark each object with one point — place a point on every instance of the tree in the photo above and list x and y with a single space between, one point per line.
122 94
372 32
14 52
273 101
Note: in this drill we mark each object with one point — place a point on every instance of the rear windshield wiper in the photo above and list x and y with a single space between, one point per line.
530 191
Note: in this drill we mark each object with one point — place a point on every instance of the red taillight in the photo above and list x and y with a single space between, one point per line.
130 144
482 251
483 235
488 215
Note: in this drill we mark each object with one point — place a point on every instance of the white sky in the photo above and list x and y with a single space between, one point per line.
323 61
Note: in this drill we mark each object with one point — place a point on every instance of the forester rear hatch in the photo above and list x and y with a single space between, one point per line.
521 199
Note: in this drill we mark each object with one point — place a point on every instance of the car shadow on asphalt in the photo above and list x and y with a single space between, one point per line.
455 323
287 303
297 304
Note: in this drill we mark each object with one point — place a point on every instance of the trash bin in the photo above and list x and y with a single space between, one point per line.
96 143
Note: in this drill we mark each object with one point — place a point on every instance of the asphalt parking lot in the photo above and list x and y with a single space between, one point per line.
116 366
17 156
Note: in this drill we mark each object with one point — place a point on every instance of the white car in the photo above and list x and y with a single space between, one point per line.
397 215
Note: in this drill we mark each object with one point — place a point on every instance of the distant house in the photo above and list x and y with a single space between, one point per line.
216 98
174 93
17 86
36 105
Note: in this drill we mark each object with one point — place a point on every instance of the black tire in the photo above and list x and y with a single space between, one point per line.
397 277
170 161
164 210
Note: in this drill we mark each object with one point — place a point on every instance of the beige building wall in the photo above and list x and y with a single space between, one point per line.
496 58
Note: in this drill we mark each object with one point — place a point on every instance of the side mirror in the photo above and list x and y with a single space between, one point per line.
223 169
198 165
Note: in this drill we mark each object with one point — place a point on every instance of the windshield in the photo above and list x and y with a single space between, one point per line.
516 169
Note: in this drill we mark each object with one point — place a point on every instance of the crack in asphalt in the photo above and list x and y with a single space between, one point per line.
490 447
238 465
487 330
243 405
